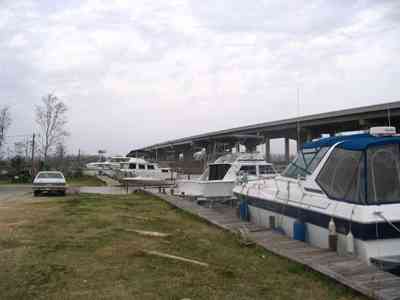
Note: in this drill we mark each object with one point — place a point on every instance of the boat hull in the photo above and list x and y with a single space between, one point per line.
144 181
208 189
318 234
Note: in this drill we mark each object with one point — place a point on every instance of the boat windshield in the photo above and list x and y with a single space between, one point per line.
119 159
305 163
370 176
218 171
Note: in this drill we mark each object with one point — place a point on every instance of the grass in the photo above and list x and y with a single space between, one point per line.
10 182
85 180
83 247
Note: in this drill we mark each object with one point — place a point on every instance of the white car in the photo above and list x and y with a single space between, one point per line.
49 182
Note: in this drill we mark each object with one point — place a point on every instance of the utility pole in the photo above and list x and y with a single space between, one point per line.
33 155
298 120
26 149
1 135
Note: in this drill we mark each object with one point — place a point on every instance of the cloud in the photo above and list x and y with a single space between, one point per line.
139 72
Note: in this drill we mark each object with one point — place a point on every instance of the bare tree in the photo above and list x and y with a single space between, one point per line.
5 122
23 148
20 149
51 118
61 151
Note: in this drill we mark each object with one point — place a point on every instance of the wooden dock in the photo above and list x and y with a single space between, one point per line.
348 270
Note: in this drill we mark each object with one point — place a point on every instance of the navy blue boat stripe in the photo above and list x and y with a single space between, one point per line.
360 230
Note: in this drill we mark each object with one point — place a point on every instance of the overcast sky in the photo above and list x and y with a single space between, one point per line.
139 72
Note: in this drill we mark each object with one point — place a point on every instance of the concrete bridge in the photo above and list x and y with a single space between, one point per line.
304 128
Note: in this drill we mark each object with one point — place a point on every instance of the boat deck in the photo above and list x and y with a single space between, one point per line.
348 270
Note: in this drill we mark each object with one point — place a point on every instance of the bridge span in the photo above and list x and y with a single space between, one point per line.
250 136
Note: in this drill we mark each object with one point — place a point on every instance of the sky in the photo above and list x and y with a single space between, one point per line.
138 72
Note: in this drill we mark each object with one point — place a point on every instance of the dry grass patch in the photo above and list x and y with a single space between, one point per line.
85 180
85 247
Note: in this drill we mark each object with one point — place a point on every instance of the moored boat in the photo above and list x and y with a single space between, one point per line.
346 186
141 168
220 177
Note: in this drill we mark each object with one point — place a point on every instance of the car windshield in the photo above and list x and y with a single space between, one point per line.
50 176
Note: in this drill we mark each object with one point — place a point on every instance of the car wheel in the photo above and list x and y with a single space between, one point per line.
36 193
62 193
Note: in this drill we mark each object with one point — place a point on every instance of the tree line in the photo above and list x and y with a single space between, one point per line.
48 141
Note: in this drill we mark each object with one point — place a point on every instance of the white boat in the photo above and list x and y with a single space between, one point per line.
346 186
145 181
114 163
139 167
98 166
219 179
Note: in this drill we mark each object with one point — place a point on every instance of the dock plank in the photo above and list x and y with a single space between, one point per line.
347 270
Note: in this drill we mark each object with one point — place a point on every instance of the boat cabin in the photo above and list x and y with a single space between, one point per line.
229 166
138 164
220 177
140 167
362 169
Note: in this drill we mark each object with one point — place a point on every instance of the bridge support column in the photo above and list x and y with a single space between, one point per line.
237 147
267 149
161 155
287 149
211 150
309 136
188 154
176 155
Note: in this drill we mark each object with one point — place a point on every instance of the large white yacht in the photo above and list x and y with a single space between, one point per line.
140 168
347 185
219 179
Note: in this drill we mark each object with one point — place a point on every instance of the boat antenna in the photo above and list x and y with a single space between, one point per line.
388 114
298 118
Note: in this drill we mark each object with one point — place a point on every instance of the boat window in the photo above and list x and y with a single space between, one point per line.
150 167
119 159
248 169
383 174
218 171
266 170
293 171
317 159
142 167
132 166
305 163
342 177
164 171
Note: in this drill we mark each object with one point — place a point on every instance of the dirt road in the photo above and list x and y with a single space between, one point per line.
14 192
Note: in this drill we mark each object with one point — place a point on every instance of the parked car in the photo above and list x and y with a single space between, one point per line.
49 182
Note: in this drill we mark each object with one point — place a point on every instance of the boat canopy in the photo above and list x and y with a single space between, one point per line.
362 168
356 142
